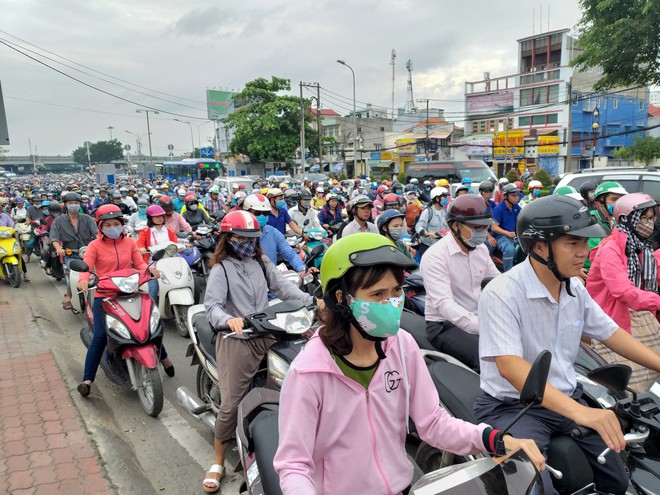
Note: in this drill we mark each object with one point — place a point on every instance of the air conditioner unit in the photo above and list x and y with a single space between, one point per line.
533 133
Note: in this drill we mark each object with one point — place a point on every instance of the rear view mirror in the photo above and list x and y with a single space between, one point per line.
612 376
78 266
318 250
158 255
534 387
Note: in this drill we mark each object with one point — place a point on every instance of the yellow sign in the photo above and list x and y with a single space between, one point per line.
548 146
509 144
521 166
405 145
385 155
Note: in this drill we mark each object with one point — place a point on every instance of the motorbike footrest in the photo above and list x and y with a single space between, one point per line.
201 409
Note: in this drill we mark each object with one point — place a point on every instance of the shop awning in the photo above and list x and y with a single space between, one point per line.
380 163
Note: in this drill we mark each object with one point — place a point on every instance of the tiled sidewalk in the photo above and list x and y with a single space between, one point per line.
44 448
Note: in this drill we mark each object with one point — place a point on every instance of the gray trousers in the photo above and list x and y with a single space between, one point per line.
238 361
540 424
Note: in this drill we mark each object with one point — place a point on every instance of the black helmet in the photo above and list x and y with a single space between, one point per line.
586 187
305 194
54 207
71 196
486 186
550 217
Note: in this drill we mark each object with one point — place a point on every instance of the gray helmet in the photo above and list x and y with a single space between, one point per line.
360 199
510 188
71 196
486 186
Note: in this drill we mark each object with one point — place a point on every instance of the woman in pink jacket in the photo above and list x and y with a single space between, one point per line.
347 397
110 252
623 280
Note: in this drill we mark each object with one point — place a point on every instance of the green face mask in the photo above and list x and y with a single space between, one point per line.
378 319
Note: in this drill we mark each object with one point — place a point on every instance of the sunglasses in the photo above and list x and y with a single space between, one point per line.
260 213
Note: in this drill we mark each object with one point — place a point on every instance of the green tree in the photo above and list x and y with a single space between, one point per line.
267 125
513 175
3 151
646 149
623 38
623 153
99 152
543 176
401 177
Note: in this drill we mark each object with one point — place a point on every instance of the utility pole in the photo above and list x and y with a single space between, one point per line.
110 128
151 156
427 142
318 125
393 64
569 132
302 130
34 162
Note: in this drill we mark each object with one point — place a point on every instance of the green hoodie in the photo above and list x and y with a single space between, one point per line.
594 241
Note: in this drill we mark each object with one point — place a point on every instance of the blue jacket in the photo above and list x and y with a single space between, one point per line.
272 243
325 215
178 204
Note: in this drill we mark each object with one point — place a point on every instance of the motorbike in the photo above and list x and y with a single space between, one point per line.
193 257
176 285
316 238
518 257
257 438
77 305
24 232
134 329
289 322
10 257
206 245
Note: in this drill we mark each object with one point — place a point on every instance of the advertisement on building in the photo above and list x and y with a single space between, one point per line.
477 147
405 146
548 145
509 145
491 103
219 104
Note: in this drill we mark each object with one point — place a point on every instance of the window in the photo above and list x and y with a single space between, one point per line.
641 104
475 126
651 186
553 118
525 97
538 120
555 39
540 42
526 46
553 93
604 102
378 146
615 103
382 129
523 121
576 100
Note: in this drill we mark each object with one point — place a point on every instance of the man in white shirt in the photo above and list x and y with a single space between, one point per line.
541 304
360 208
303 214
453 269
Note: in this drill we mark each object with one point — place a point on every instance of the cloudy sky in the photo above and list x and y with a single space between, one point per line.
176 50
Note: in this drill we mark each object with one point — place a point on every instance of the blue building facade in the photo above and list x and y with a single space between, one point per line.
615 113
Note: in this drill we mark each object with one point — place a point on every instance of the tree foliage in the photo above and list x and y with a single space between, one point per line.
623 38
267 125
513 175
646 149
2 153
623 153
543 176
99 152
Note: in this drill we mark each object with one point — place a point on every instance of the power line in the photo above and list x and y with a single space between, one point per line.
99 72
96 88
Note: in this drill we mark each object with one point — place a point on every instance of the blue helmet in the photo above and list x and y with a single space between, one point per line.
466 180
385 217
44 204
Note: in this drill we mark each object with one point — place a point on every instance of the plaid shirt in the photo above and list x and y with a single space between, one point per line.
213 206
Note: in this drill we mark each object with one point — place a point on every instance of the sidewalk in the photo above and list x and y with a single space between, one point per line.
44 447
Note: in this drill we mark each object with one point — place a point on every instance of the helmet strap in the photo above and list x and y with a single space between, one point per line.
552 266
457 234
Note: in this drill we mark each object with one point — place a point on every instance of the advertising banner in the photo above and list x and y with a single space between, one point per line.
219 104
491 103
509 145
405 146
477 147
548 145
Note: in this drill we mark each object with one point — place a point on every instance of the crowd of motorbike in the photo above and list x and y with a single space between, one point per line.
135 327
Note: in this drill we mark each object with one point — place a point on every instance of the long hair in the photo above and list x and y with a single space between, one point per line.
335 332
224 249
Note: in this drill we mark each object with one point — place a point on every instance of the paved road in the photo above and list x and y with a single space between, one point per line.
169 454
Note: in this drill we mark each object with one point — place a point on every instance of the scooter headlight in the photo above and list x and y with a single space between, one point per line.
17 248
117 327
5 233
295 322
154 319
127 285
3 252
277 368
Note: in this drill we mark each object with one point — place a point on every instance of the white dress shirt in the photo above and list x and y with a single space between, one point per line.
452 280
519 317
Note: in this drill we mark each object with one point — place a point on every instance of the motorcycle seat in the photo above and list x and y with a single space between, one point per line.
414 279
204 335
415 325
265 436
457 387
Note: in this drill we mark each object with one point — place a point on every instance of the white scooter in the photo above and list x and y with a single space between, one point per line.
176 285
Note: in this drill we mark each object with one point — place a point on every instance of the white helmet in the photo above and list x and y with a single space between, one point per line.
320 190
181 192
534 183
256 202
414 181
503 181
438 191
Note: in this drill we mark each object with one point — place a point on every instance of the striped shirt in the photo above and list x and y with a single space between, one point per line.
518 316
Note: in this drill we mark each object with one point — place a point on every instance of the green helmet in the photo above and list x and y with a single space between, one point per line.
569 191
361 249
214 189
609 187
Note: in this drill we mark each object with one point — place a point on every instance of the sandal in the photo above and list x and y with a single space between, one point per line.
215 469
66 304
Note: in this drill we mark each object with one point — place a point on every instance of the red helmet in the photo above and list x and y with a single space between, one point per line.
240 223
471 209
381 189
241 186
189 198
391 198
165 201
107 212
519 185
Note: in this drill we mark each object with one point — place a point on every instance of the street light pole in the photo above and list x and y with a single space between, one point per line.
354 116
110 128
192 140
138 143
151 155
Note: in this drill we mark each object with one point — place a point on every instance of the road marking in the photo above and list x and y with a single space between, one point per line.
197 446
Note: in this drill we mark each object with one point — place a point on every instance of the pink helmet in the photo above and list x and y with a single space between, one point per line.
630 203
155 211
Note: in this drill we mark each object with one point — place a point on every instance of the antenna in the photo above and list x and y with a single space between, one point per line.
548 17
533 21
410 100
393 64
541 20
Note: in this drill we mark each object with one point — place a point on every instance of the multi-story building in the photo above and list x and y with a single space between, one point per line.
530 117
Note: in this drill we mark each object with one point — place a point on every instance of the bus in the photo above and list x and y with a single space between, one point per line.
452 170
192 169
